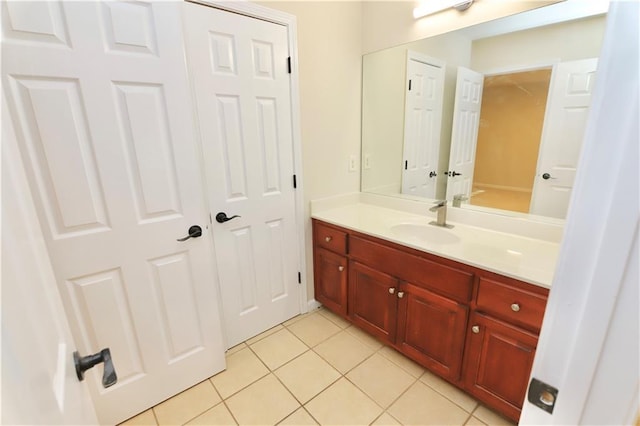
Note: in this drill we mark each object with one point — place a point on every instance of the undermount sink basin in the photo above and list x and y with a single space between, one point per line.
424 232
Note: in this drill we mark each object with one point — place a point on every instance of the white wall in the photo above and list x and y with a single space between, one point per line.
568 41
329 60
389 23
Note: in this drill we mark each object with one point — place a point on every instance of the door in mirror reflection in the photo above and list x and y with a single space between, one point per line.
423 121
464 136
524 115
564 125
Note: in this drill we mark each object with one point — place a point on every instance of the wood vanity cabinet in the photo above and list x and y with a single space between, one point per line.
502 340
330 267
477 329
372 301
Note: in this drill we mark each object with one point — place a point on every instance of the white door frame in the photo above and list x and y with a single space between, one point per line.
587 309
289 21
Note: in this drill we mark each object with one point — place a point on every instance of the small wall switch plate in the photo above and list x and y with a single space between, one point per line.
353 166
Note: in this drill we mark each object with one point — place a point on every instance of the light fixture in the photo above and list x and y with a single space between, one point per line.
429 7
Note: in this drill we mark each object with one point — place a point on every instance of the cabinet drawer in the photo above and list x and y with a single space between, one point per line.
330 238
442 279
512 304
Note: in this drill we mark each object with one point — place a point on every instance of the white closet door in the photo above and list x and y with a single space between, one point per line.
242 89
423 121
464 135
564 126
100 99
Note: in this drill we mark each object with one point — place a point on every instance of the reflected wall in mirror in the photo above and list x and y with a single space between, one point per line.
515 148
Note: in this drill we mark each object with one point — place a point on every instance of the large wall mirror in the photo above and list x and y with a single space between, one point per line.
491 116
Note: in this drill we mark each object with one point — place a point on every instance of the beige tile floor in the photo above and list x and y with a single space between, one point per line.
318 369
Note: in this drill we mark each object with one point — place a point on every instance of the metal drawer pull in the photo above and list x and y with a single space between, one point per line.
328 239
515 307
475 329
340 268
392 290
400 294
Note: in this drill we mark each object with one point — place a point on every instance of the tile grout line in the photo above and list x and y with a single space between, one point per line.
378 351
207 409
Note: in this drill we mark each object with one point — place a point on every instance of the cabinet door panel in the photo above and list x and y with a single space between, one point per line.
431 330
498 363
331 280
372 306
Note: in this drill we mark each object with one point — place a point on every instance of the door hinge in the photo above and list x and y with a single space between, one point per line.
299 278
289 64
409 84
210 219
295 184
406 164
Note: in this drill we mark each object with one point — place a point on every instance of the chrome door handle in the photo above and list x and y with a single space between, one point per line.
222 217
194 232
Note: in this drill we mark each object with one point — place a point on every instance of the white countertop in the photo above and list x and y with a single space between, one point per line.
526 259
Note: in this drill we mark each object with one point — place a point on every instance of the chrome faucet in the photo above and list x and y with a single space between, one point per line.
441 209
458 199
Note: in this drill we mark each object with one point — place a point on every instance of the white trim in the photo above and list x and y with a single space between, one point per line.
511 69
412 55
253 10
596 254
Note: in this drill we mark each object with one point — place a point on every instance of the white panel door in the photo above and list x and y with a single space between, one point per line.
100 99
38 375
564 125
422 124
464 135
242 89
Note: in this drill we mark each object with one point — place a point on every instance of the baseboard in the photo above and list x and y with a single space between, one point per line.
313 304
480 186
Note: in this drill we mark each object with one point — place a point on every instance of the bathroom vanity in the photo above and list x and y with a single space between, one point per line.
426 292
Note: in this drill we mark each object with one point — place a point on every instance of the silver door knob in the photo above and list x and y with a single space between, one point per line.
392 290
328 239
340 268
475 329
515 307
400 294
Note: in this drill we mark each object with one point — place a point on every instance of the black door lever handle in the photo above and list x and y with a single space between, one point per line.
222 217
109 377
194 232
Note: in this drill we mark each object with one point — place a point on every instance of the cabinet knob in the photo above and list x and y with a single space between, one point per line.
392 290
340 268
328 239
515 307
475 329
400 294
